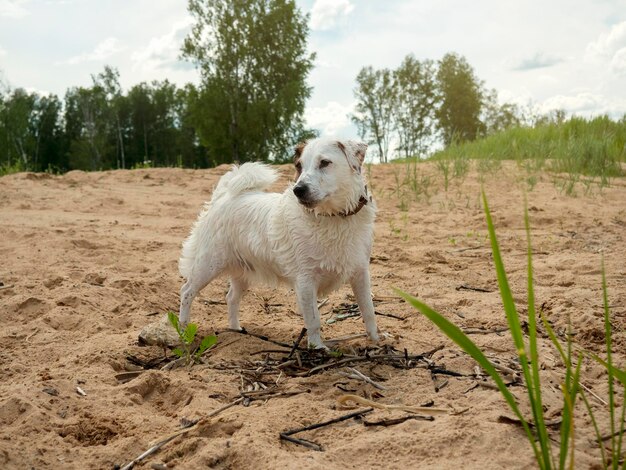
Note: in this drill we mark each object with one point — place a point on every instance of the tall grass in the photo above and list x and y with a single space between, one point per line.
593 148
535 428
15 167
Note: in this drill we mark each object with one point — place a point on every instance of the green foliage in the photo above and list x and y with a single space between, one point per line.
187 337
15 167
538 435
461 98
414 99
423 101
375 107
254 64
578 147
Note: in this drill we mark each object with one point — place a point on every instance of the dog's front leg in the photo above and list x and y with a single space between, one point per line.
360 283
306 295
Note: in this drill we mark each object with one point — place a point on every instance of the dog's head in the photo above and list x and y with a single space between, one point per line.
329 176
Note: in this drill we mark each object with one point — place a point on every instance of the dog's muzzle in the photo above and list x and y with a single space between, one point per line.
303 193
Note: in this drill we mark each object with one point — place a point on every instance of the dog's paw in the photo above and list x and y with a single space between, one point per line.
374 337
317 345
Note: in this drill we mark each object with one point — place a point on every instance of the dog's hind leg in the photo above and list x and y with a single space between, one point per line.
238 287
360 283
201 274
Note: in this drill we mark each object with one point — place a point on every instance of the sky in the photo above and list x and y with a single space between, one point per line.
559 54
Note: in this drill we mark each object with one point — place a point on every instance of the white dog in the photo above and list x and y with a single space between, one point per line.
315 236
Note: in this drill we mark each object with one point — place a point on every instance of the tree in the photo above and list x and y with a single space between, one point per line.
374 109
414 105
109 82
497 117
17 112
87 127
46 130
253 63
460 100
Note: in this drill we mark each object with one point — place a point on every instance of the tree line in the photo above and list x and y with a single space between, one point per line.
249 105
253 62
403 112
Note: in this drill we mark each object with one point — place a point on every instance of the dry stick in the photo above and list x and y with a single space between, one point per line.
322 303
588 390
392 421
266 396
297 343
286 435
162 442
475 289
481 331
343 399
6 287
460 250
390 315
360 376
243 331
348 360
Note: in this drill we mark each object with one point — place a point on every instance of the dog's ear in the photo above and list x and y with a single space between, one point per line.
296 157
354 152
298 151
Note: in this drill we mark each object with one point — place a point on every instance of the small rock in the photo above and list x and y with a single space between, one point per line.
51 391
160 333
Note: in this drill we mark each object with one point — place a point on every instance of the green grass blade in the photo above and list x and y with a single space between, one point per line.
466 344
570 392
614 371
609 360
535 387
583 395
621 428
505 290
515 327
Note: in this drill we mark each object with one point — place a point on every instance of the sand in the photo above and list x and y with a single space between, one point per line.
89 259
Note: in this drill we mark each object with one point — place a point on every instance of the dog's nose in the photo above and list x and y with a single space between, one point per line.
300 190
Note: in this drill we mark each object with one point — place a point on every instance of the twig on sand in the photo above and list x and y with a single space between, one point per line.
588 390
297 342
287 435
343 399
243 331
355 374
393 421
6 287
164 441
484 331
472 288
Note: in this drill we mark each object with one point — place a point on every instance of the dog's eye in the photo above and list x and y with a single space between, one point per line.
324 163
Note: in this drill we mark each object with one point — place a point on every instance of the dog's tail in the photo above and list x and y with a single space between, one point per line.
252 176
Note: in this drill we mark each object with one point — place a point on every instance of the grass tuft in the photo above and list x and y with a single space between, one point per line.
535 427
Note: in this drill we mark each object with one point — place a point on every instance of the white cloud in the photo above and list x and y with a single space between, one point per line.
163 51
13 8
330 119
618 62
102 51
3 52
325 14
580 102
585 103
609 43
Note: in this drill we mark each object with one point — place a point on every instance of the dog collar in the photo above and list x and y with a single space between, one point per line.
363 200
